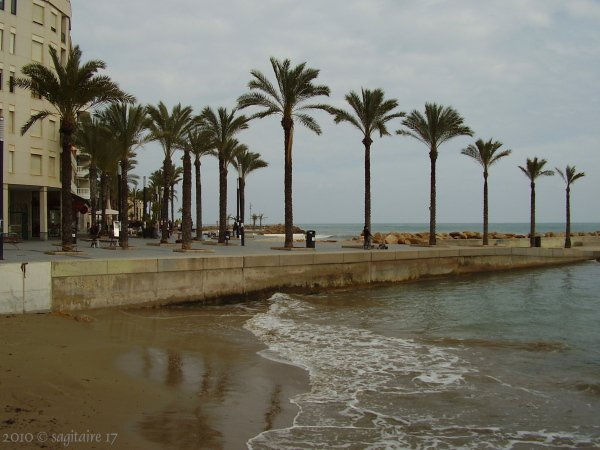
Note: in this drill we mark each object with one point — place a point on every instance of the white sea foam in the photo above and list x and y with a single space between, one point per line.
365 388
344 364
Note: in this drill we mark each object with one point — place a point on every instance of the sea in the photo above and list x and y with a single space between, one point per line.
346 230
496 360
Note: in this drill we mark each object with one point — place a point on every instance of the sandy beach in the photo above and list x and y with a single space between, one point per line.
170 378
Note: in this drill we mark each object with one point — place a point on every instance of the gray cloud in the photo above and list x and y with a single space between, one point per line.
524 72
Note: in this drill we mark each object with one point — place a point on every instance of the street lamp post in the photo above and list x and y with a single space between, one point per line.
144 212
2 218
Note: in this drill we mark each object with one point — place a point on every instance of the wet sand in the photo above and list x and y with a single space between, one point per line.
185 377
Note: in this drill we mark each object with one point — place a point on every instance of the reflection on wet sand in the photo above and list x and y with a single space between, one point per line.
274 407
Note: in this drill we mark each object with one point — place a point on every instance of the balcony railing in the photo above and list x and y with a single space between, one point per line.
83 192
82 171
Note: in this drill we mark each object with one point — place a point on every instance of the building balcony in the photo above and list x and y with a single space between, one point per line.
82 171
84 193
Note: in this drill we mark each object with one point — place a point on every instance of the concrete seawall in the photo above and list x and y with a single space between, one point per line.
82 284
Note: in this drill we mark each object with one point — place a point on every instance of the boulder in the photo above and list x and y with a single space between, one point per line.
391 239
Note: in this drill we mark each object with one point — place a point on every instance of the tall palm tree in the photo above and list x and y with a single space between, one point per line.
570 175
370 113
200 144
486 154
534 168
289 100
107 162
91 138
175 177
70 89
170 129
438 125
245 163
127 124
156 183
222 126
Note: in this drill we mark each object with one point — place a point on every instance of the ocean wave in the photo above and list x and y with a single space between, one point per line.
537 346
345 365
373 391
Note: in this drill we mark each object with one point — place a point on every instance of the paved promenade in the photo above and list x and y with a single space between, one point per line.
34 251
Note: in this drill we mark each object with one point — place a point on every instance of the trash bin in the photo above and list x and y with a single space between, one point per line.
537 241
310 238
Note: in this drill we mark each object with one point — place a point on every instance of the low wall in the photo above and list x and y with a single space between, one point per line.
25 292
106 283
547 242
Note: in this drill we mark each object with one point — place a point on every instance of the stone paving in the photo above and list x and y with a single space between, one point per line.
33 251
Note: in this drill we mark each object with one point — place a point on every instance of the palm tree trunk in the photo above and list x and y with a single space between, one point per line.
433 158
198 200
532 220
568 230
288 137
485 207
165 202
242 184
93 174
186 225
222 199
367 141
124 235
67 129
173 205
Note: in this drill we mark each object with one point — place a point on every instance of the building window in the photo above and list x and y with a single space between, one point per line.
10 126
1 79
51 166
11 122
54 22
11 82
11 42
36 128
13 7
52 129
38 14
35 167
1 38
2 5
37 51
63 29
11 161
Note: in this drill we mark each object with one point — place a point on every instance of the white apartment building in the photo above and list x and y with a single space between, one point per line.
31 189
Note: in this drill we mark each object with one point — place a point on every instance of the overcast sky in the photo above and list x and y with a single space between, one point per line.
524 72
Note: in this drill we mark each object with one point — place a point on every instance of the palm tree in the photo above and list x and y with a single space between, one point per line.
70 89
127 125
222 126
200 144
534 169
246 162
370 114
170 129
254 219
438 125
294 88
91 138
261 216
107 164
486 154
175 177
570 175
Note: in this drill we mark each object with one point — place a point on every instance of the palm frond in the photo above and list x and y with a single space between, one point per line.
33 119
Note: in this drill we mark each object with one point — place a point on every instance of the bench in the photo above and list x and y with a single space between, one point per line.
12 238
